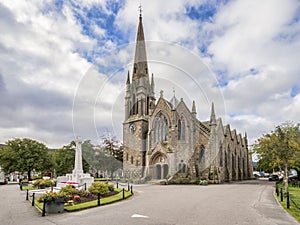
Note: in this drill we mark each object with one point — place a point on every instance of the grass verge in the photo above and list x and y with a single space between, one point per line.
295 196
29 187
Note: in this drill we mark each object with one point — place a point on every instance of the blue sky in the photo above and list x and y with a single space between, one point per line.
64 63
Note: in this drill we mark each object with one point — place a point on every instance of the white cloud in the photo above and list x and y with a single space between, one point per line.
42 63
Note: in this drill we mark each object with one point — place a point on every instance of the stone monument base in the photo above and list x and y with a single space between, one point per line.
77 180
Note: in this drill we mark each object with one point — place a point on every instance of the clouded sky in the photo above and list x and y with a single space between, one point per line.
63 64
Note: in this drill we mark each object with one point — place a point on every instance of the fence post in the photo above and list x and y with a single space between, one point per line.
123 193
288 200
85 186
27 197
131 189
128 187
281 195
98 199
117 184
44 208
33 194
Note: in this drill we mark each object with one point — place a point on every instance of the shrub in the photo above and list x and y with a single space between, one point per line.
102 188
53 197
40 182
69 190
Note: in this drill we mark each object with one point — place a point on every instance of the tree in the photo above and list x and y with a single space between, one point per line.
113 154
25 155
280 148
93 156
64 159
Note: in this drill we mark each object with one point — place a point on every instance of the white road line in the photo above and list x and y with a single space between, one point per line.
138 216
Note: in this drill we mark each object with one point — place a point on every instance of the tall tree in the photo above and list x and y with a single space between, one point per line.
280 148
25 155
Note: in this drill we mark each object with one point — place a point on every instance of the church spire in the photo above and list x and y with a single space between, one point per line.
213 120
140 67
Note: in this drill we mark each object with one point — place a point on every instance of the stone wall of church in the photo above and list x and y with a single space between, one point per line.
134 140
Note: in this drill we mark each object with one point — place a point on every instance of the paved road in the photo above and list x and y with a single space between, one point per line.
228 204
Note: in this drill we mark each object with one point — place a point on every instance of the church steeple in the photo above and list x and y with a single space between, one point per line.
140 67
140 96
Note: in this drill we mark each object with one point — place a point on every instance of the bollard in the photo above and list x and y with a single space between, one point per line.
85 186
27 197
32 203
117 184
98 199
281 195
288 200
128 187
277 190
123 193
44 207
21 186
131 189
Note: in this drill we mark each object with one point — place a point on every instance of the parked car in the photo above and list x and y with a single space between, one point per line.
293 175
273 177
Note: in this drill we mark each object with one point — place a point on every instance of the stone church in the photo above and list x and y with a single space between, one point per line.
163 139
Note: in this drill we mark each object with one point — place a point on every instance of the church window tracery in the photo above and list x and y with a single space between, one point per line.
161 128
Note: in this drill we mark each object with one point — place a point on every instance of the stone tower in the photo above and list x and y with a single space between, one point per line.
139 104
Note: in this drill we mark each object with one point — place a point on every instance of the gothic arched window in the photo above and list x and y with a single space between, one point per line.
202 154
160 128
181 129
221 155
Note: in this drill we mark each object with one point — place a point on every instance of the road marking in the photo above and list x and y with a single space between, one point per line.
139 216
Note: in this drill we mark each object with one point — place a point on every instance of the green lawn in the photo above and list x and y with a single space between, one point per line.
94 203
29 187
295 195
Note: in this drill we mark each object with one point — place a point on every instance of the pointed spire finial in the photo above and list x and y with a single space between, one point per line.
152 84
173 91
140 9
194 107
128 78
213 120
161 93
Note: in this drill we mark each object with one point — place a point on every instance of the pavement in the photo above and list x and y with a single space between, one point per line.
241 203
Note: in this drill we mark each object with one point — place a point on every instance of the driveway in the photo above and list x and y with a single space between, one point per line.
227 204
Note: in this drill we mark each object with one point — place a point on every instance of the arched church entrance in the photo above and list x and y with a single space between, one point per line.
159 167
